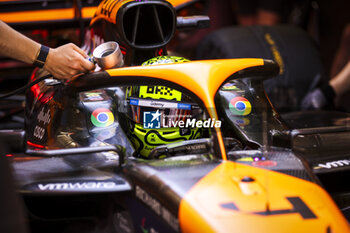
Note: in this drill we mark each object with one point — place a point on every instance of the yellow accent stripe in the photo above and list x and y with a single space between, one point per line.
274 50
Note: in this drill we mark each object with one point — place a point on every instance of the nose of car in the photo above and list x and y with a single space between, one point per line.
233 196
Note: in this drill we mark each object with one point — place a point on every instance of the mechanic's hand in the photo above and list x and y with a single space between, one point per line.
341 82
66 61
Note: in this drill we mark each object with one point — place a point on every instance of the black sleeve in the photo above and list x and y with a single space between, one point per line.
328 92
319 98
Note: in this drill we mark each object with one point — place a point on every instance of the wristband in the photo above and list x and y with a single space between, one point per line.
41 56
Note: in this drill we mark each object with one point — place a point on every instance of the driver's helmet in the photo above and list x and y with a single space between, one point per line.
152 113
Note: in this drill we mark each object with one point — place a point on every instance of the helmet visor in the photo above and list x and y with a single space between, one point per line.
170 112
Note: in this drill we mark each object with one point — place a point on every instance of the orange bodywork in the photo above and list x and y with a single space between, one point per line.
45 15
203 207
108 10
177 3
221 202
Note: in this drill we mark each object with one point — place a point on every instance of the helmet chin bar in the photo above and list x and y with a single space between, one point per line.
146 140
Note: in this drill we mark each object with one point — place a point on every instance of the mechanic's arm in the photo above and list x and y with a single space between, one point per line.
341 82
62 62
324 96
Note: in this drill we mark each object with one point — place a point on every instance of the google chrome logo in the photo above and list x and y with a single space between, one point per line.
102 117
240 106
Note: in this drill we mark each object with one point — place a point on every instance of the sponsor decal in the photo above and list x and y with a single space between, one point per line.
159 92
144 229
157 207
240 106
102 117
192 123
122 222
266 163
44 117
230 87
184 106
156 104
333 164
93 96
134 102
151 120
159 104
77 186
242 121
39 132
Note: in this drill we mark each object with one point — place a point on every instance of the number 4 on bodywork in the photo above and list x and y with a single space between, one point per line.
299 207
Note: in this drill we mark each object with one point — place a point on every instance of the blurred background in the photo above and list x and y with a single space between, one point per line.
309 39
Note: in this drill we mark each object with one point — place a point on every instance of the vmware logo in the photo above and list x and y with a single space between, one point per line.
151 120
